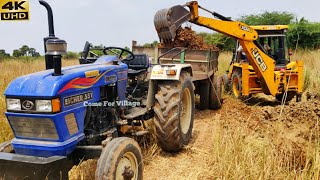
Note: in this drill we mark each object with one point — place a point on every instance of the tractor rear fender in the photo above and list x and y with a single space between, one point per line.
169 71
163 72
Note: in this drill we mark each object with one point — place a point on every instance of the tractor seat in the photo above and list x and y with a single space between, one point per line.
278 67
139 64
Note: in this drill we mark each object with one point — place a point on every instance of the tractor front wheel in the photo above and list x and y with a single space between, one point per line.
120 159
174 113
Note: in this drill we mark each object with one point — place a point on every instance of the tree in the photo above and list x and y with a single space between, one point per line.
222 41
3 54
24 50
153 44
268 18
31 51
16 53
304 34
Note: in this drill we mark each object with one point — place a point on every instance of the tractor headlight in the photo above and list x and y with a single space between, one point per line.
44 105
39 105
48 105
13 104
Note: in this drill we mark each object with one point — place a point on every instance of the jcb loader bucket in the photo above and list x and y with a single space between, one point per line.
15 166
167 21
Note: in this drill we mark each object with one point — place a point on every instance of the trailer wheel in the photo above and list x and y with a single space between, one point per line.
120 159
6 147
216 92
236 84
290 96
174 113
205 94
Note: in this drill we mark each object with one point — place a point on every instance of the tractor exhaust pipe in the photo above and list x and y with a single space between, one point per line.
53 46
48 58
50 17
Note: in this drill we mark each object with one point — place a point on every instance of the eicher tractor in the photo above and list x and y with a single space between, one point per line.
61 116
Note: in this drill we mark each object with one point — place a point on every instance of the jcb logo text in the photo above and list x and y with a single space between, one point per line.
259 59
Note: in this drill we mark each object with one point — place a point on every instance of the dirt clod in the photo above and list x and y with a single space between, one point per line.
189 39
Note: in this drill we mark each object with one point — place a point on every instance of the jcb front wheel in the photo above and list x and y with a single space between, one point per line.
225 82
236 84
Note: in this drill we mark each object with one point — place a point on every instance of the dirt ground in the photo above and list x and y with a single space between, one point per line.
294 125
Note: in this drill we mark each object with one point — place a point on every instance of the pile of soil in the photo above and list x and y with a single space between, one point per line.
189 39
291 127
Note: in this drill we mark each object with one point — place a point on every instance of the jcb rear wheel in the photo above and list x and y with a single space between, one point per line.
174 113
120 159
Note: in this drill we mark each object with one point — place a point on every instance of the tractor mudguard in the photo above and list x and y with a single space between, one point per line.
16 166
161 72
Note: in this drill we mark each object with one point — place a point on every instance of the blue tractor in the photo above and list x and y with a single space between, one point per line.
97 109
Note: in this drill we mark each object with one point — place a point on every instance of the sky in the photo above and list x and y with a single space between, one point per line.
118 22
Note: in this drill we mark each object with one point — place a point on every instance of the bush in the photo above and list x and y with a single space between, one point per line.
71 55
304 35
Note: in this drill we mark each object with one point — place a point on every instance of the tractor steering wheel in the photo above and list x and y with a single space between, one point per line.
115 50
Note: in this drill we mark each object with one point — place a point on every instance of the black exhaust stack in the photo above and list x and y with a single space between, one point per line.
53 46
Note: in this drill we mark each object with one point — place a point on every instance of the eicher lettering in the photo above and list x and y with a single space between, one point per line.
71 100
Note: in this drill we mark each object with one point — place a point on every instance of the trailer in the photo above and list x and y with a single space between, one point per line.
204 65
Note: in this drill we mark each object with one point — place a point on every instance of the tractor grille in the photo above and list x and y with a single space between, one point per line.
40 128
71 124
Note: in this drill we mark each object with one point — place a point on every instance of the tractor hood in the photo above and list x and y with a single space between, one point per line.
44 84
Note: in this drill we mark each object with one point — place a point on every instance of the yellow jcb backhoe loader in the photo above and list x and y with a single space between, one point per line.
265 65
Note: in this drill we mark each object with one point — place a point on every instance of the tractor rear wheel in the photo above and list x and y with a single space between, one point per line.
205 86
6 147
120 159
174 113
215 93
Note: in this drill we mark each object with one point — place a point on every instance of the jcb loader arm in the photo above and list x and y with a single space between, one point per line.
168 21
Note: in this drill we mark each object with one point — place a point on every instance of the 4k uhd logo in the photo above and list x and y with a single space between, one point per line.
11 10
